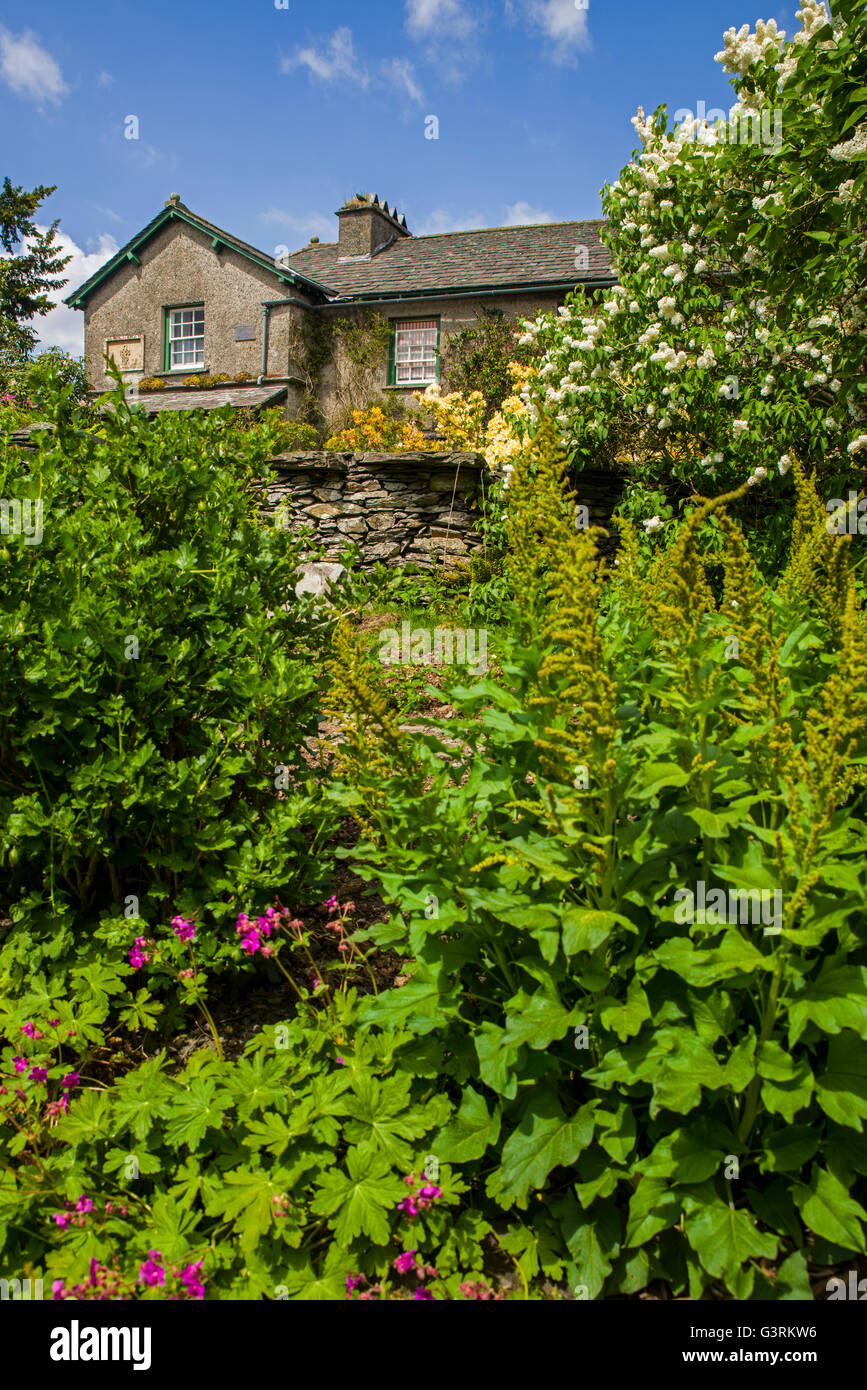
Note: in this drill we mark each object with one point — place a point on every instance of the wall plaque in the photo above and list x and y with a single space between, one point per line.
244 333
128 353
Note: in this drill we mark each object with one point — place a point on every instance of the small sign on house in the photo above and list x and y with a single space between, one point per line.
244 333
127 353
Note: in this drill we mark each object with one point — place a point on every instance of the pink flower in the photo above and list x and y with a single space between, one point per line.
62 1219
84 1204
69 1080
150 1272
29 1029
332 905
405 1262
428 1194
409 1207
57 1107
55 1022
190 1278
38 1074
341 1062
183 930
354 1281
20 1064
137 957
423 1295
58 1290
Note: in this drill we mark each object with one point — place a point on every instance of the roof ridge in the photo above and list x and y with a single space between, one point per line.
513 227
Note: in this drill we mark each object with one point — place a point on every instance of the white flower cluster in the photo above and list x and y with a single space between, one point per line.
849 149
743 48
846 192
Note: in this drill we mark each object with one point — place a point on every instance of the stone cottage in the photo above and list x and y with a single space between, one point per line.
185 297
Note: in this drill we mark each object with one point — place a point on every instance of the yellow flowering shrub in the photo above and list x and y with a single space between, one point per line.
374 430
461 418
458 416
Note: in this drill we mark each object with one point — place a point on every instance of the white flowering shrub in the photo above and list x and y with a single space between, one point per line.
736 335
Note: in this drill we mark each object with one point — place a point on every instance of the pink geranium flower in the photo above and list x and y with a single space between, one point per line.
183 930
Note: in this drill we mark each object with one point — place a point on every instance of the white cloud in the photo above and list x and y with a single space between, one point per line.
436 18
301 227
399 73
525 215
440 221
448 32
104 79
64 327
337 59
561 21
28 69
109 213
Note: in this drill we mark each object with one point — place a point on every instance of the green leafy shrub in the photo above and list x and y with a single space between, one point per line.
301 1170
157 679
152 383
289 435
646 1090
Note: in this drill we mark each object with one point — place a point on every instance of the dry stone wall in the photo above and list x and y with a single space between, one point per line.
404 508
398 508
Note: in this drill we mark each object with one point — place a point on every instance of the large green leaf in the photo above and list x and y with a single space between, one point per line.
706 965
837 999
470 1133
828 1209
537 1020
194 1111
725 1238
841 1090
585 928
654 1206
625 1016
787 1085
359 1199
544 1139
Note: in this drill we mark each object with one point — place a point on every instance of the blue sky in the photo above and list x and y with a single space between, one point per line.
266 119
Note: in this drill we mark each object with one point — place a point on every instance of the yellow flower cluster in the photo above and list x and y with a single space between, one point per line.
376 430
461 420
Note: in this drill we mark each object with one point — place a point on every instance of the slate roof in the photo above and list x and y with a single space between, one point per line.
492 257
152 402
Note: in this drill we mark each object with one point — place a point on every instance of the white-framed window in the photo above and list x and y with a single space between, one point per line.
186 338
415 351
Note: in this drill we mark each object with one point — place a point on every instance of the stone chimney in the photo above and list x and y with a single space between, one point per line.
366 226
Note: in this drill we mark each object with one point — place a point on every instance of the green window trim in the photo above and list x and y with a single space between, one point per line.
189 368
392 363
